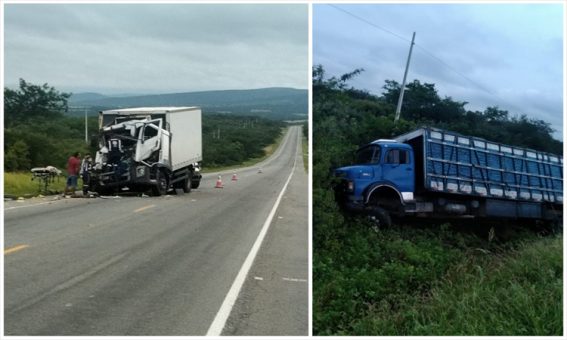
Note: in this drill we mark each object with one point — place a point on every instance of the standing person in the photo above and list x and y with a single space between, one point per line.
73 167
85 172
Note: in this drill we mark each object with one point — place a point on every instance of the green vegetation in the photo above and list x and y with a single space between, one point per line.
37 133
519 292
232 140
267 152
423 279
20 184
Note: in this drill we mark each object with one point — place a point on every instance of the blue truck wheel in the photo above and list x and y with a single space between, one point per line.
380 217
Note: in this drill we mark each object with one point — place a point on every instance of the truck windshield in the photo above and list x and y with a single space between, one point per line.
368 155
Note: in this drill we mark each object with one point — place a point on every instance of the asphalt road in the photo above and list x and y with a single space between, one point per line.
274 298
161 265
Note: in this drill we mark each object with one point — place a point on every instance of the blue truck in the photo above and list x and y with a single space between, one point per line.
434 173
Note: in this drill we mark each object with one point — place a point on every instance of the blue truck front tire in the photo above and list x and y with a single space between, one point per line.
380 217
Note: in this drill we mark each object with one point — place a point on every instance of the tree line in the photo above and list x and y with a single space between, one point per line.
231 140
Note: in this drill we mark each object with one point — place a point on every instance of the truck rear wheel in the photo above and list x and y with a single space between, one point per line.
380 218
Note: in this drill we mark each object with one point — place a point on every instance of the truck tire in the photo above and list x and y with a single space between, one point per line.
195 184
161 187
380 218
187 185
103 191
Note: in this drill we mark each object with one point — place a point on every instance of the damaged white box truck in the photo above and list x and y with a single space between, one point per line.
151 149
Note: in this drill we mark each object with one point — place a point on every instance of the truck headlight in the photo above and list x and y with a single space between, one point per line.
140 171
350 186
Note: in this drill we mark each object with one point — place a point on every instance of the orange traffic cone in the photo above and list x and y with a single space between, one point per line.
234 177
219 183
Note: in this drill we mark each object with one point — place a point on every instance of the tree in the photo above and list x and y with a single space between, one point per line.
17 156
492 113
420 100
32 101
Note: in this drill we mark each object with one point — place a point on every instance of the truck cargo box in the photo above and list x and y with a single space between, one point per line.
184 124
452 163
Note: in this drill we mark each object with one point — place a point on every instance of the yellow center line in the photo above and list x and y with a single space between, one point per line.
15 249
144 208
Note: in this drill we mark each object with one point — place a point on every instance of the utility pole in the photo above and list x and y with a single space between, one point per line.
401 98
86 127
86 108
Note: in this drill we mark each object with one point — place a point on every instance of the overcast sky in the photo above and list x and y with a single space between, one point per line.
513 53
160 48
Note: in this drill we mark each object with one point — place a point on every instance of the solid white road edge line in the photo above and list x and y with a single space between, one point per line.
224 312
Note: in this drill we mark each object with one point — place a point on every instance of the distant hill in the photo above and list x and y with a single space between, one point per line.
275 103
86 96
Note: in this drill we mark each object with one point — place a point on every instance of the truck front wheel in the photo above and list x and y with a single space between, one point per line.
380 218
195 183
187 185
161 186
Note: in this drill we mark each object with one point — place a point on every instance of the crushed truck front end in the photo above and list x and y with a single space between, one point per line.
157 148
129 154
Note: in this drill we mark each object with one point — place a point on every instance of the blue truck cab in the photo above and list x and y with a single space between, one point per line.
435 173
383 169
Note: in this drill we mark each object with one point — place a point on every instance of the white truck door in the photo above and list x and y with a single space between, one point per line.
149 139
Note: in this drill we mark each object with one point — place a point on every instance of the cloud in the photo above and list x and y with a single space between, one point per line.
509 55
157 48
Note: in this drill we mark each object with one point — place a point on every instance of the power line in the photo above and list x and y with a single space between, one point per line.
368 22
427 52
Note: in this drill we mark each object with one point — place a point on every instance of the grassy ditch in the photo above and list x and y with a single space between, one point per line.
437 280
20 184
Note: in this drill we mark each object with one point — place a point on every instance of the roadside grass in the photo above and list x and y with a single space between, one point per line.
268 151
514 293
437 280
519 293
20 184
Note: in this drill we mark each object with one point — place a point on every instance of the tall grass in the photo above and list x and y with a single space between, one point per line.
20 184
518 293
438 281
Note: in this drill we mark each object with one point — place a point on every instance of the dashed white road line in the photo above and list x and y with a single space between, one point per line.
144 208
293 279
